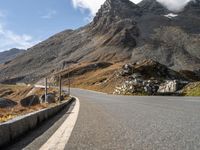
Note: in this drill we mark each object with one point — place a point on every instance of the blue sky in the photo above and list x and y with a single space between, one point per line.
24 23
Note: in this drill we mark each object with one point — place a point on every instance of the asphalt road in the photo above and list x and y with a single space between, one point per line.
121 123
107 122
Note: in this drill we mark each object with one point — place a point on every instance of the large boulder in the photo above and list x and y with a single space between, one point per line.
51 98
127 69
169 86
151 87
138 85
5 103
30 101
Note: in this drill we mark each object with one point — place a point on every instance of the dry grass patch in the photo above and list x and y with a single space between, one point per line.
103 80
17 93
192 89
14 92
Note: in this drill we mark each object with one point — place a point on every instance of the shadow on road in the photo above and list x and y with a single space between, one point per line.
42 132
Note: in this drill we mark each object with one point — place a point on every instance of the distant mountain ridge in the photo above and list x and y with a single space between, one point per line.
10 54
120 32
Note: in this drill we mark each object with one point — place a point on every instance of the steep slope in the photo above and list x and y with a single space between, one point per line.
86 44
192 8
173 41
152 6
120 32
10 54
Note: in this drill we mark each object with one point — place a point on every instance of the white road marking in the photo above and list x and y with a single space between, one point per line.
91 91
40 86
60 138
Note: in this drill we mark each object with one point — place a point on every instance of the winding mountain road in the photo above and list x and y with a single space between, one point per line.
107 122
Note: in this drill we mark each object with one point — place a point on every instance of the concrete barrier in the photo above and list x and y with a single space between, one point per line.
13 129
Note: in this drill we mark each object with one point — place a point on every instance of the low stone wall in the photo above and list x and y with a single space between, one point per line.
16 127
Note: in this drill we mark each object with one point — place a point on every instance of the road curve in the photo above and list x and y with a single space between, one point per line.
141 123
107 122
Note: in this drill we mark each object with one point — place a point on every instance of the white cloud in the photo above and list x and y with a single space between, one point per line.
91 5
50 14
94 5
174 5
9 39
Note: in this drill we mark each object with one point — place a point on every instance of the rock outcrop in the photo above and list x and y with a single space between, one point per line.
149 77
171 86
6 103
51 98
153 6
30 101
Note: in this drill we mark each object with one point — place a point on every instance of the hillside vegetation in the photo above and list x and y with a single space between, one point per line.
193 89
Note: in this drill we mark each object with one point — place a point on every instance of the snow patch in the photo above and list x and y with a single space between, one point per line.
171 15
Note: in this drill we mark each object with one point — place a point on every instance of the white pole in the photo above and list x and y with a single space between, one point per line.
46 90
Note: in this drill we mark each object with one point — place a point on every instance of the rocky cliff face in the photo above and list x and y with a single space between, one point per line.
116 21
192 8
152 6
121 31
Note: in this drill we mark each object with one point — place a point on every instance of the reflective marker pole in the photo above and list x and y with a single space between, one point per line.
69 87
60 87
69 84
46 90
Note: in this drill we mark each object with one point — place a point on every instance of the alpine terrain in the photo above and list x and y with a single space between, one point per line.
120 33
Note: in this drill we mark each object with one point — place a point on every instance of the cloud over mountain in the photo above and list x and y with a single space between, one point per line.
94 5
174 5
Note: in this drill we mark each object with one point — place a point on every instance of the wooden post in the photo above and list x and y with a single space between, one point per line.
46 90
60 87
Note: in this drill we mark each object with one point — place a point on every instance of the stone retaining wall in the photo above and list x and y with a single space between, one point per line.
11 130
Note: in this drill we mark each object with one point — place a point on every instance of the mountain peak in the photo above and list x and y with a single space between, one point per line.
117 9
193 7
152 6
116 21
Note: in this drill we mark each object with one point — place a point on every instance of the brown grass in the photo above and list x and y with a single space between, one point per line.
16 93
103 80
10 113
192 89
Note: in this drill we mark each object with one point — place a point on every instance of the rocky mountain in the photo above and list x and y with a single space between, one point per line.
120 32
152 6
10 54
192 8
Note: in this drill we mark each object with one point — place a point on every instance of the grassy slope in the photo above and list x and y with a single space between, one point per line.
192 89
105 80
102 80
16 93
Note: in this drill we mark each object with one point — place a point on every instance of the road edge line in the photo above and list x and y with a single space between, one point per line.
61 137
